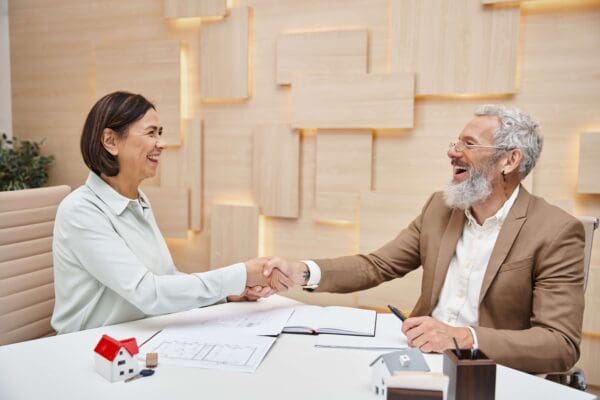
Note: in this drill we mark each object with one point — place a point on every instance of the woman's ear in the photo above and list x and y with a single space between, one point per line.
109 141
513 161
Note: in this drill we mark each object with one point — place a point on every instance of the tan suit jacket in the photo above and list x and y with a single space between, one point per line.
531 300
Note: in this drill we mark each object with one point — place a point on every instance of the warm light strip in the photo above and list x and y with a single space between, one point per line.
595 335
327 29
224 100
250 77
558 5
184 82
459 96
262 223
336 222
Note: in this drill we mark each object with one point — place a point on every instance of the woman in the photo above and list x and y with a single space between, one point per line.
111 263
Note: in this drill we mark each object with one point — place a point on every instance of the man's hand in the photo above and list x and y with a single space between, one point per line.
430 335
295 273
263 285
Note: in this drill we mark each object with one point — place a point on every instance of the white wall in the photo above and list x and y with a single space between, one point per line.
5 103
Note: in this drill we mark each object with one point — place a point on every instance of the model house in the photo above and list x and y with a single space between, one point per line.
115 359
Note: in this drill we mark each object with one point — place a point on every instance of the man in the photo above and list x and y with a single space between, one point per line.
502 269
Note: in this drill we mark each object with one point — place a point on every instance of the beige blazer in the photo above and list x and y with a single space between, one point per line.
531 300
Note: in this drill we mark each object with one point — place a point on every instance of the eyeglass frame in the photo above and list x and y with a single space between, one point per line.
462 146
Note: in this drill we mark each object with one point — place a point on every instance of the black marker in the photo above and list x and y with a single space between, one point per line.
397 313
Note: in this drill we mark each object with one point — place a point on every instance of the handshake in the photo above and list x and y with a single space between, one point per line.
269 275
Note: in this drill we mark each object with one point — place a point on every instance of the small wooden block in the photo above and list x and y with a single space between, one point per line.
151 360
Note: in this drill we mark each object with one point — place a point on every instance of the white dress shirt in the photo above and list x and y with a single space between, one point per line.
111 263
459 300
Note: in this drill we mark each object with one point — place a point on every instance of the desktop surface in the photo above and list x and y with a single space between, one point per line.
62 367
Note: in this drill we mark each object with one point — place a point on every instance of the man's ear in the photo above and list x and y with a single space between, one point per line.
109 141
513 160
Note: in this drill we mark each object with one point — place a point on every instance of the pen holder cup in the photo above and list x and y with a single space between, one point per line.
413 394
470 379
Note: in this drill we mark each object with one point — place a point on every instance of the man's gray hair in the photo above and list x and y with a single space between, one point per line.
517 131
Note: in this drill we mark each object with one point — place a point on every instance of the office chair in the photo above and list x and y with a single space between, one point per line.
26 275
575 378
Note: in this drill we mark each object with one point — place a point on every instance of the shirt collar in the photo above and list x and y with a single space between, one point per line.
500 215
116 201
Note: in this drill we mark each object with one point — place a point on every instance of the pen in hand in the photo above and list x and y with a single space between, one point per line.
397 313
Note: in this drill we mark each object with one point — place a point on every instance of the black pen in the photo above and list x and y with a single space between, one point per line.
457 351
397 313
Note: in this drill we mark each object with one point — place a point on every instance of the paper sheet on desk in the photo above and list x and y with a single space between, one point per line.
388 336
249 318
224 351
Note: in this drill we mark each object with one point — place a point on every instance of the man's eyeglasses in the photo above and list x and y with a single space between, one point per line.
459 146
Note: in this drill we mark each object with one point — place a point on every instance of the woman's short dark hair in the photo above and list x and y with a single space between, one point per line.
115 111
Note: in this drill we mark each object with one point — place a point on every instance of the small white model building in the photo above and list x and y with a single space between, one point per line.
406 369
115 359
384 367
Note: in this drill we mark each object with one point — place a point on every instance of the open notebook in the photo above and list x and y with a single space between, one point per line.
336 320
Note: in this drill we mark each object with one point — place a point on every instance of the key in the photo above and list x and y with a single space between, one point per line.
143 373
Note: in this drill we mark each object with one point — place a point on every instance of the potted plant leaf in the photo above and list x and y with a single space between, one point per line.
21 164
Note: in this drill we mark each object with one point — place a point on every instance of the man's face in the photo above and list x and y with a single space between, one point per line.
473 169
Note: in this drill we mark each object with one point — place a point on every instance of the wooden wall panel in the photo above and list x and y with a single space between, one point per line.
589 163
353 101
473 49
330 52
276 170
182 167
234 234
343 170
170 205
227 163
383 215
224 62
53 64
194 8
153 71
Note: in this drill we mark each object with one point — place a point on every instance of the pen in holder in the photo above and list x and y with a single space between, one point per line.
472 375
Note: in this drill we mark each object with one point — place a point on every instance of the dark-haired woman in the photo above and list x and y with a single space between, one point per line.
111 263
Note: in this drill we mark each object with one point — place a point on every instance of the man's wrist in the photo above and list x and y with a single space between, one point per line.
305 274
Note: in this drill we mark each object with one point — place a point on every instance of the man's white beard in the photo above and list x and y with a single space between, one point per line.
464 194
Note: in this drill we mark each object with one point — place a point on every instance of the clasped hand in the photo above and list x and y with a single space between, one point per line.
269 275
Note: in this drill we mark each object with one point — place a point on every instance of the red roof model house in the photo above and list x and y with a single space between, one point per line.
115 359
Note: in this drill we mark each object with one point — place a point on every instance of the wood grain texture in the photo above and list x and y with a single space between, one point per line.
182 167
276 170
332 52
343 170
224 57
473 49
194 8
153 71
589 163
53 72
353 101
170 205
233 234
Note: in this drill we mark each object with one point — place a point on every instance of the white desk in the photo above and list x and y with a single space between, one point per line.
61 367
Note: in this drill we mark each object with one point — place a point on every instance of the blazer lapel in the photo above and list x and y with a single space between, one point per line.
447 249
508 233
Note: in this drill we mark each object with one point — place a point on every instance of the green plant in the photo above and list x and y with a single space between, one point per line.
21 165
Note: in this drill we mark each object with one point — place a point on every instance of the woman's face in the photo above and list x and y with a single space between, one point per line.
139 151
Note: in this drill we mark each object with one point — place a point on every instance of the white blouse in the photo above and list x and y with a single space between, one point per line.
111 263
